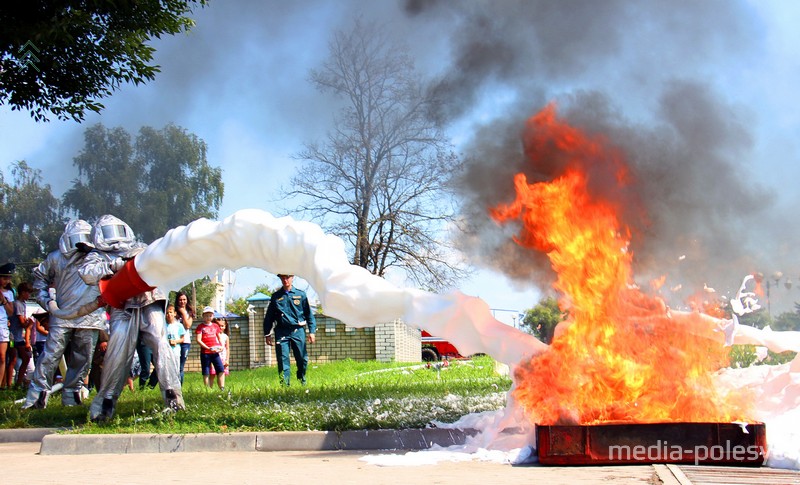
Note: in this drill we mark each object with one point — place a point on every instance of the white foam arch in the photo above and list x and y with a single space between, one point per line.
255 238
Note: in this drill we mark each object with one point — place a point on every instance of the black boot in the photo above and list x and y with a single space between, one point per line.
41 401
173 402
106 412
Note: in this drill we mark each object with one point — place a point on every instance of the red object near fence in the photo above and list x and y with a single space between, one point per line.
437 348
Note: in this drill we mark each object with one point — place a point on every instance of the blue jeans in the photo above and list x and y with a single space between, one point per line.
207 360
145 360
184 355
38 349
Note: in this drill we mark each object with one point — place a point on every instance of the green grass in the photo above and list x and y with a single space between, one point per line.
340 396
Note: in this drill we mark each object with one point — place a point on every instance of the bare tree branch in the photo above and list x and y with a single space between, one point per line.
380 179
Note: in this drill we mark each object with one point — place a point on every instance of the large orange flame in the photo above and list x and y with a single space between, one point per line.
620 356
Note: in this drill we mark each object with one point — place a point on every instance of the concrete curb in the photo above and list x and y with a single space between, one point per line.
25 435
385 439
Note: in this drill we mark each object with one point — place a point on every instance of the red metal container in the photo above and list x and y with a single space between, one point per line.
617 444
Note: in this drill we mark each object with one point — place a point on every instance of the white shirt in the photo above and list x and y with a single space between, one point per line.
4 330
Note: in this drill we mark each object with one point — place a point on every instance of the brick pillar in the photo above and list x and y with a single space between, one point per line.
397 342
239 344
259 355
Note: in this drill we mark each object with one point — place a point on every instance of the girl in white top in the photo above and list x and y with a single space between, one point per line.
184 314
6 310
224 339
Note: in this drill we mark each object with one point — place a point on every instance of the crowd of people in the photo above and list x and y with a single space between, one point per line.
81 341
16 344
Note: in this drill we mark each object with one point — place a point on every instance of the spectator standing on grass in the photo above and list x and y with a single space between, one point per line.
20 323
42 322
6 311
184 314
29 338
175 331
290 316
208 334
96 371
132 373
147 372
224 338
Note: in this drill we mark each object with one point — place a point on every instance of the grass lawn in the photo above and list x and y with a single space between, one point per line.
340 396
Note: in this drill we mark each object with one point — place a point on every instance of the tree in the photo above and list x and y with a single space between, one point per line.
62 57
204 290
181 185
759 319
264 289
162 181
201 293
542 319
31 220
239 306
787 321
379 181
109 179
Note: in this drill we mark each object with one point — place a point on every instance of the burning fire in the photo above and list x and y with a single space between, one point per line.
619 356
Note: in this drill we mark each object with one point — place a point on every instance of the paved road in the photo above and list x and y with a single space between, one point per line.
32 456
22 464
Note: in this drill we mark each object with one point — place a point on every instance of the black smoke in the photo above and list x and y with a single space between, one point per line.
644 77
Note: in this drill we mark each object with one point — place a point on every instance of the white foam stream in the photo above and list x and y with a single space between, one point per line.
255 238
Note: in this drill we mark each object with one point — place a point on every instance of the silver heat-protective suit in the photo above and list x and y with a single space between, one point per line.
59 271
114 243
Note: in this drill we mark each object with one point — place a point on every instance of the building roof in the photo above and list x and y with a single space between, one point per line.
259 297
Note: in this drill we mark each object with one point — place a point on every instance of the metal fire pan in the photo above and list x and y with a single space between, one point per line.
695 443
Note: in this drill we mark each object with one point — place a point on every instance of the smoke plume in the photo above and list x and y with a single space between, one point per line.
640 76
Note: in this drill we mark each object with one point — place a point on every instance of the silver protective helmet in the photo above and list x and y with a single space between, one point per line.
75 232
110 233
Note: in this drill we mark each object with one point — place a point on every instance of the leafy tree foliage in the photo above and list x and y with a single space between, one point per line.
239 306
30 219
181 185
542 319
788 320
161 181
62 57
110 178
759 319
379 181
265 289
201 294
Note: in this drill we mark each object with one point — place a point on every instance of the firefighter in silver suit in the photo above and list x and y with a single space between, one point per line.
58 285
114 244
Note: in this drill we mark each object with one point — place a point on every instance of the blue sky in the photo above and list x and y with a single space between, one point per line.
239 81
